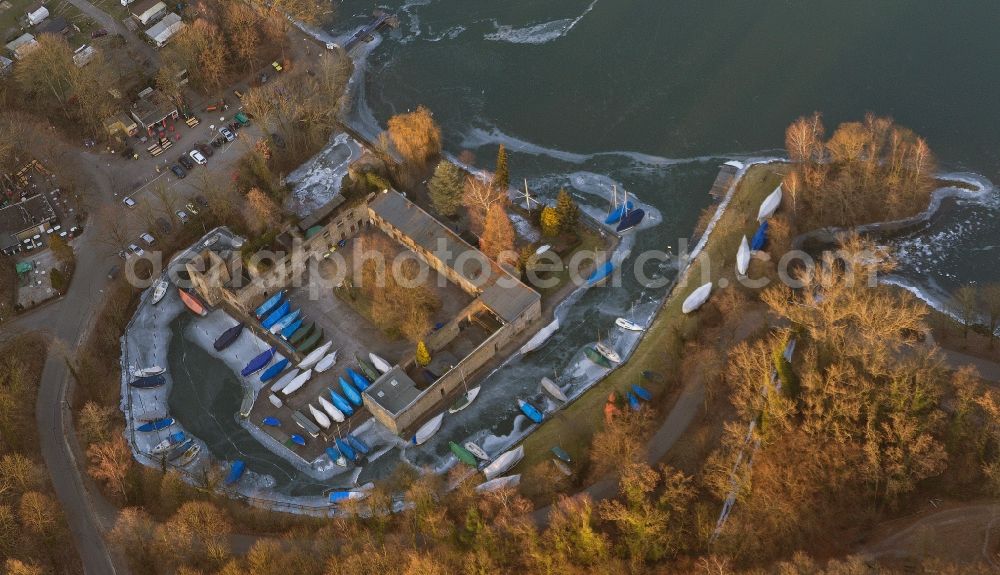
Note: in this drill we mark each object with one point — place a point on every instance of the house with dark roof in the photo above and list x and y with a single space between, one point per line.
23 220
153 110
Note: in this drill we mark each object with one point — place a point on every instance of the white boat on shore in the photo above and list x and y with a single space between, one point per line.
298 382
550 386
465 401
331 409
499 483
315 355
608 352
628 324
428 429
697 298
327 362
743 257
379 363
319 417
149 371
504 462
160 290
284 381
474 449
770 204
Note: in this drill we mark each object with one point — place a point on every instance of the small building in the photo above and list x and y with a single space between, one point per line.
153 110
83 55
121 123
23 220
58 26
22 45
146 11
162 31
36 14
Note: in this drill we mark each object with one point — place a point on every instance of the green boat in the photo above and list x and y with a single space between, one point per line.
597 358
367 368
561 454
463 454
310 342
301 333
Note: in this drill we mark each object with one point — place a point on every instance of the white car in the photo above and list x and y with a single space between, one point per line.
198 158
182 216
227 134
148 238
136 250
129 202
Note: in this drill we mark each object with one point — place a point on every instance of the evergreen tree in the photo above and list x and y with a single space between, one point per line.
550 222
501 177
446 188
569 212
423 355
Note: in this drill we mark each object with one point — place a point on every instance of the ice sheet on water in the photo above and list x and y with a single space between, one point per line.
540 33
318 180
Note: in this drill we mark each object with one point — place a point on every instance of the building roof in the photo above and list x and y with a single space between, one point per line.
140 7
152 108
165 28
21 40
394 391
18 217
508 298
56 25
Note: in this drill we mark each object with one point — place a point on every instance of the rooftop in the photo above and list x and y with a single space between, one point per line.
152 108
56 25
140 7
18 217
394 391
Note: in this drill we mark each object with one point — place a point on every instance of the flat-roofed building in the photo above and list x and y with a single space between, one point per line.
24 220
161 32
146 11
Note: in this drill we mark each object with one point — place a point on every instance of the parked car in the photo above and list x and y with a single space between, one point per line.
227 134
178 171
200 199
191 209
206 151
129 202
197 157
278 140
136 250
164 225
186 162
182 216
148 238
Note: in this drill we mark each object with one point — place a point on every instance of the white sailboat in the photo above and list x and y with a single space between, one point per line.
474 449
315 355
770 204
465 401
146 372
331 409
607 351
319 417
379 363
499 483
298 382
428 429
160 290
628 325
553 390
743 257
504 462
327 362
275 400
284 381
697 298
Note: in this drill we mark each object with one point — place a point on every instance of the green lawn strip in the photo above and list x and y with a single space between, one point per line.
573 426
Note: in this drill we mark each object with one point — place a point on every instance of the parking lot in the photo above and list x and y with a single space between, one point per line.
35 287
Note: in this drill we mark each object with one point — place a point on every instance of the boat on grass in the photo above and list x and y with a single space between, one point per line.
284 381
346 449
298 440
561 454
296 383
336 457
277 315
160 290
759 240
628 324
474 449
235 471
633 401
273 371
552 389
340 496
607 351
743 257
601 273
271 302
770 204
428 429
272 421
562 467
328 361
349 392
319 417
256 364
148 381
341 403
697 298
597 358
507 482
357 444
530 410
641 392
228 337
359 380
149 371
465 400
463 454
380 364
165 445
287 331
193 303
314 356
331 409
503 463
285 322
156 424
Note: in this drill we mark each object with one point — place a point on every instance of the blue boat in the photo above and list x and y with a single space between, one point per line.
148 381
360 381
272 421
349 391
285 322
256 364
346 449
228 337
618 213
273 371
298 439
357 444
530 410
759 238
631 220
340 403
235 471
276 315
333 454
601 273
294 327
633 401
156 425
641 392
269 305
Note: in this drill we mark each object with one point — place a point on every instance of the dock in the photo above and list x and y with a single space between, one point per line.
727 174
381 20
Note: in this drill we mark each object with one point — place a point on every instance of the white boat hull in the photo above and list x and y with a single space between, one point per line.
380 364
470 396
154 370
743 257
327 362
297 383
504 462
499 483
331 409
550 386
628 325
607 351
284 381
275 400
479 452
314 356
697 298
428 429
319 417
770 204
159 291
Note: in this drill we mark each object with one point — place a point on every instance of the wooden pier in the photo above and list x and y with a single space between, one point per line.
727 173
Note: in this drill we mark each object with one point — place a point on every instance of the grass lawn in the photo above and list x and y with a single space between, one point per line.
10 18
573 426
590 240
